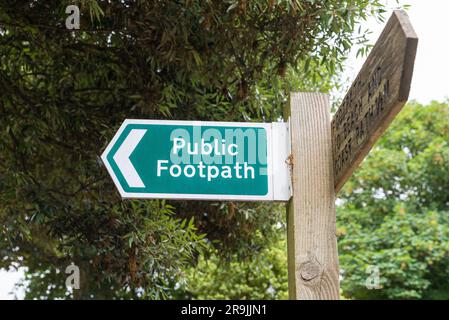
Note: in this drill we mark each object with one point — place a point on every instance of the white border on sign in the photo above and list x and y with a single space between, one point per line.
188 196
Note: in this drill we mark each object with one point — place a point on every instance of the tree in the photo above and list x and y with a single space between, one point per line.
262 276
395 214
65 92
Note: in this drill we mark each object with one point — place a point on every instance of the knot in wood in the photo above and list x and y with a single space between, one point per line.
309 271
289 160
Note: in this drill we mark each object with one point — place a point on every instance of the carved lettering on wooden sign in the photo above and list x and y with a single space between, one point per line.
378 93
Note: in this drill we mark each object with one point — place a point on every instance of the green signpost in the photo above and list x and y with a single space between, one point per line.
195 160
305 160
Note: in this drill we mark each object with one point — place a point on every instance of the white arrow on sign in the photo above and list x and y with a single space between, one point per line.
122 155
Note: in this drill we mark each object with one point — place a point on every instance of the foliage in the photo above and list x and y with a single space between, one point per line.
395 211
64 93
262 276
141 237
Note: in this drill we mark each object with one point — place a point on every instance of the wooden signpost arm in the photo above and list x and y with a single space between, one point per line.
324 154
312 243
376 96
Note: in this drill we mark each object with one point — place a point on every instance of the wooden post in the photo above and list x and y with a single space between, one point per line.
311 231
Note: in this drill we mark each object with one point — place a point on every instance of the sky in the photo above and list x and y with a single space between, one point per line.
7 282
431 72
430 79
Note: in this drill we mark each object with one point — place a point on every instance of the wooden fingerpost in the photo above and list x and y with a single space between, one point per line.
311 232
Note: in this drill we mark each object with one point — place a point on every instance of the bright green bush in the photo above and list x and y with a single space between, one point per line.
262 276
395 211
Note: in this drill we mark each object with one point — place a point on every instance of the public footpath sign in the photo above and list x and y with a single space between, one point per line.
200 160
253 161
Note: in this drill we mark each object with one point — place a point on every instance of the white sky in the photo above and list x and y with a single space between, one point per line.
430 79
7 282
431 23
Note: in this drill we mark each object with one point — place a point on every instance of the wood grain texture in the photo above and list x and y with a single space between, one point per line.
378 93
311 232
